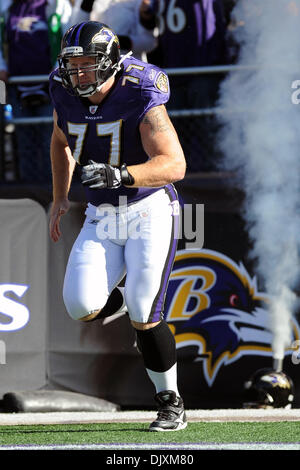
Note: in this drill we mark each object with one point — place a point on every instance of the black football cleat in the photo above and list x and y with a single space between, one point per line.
171 415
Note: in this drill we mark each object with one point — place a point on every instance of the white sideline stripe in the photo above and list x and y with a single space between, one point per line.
62 417
179 447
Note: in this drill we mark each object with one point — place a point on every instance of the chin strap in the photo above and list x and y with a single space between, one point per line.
118 65
86 93
123 57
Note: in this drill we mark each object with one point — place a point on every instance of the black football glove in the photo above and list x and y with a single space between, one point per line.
101 175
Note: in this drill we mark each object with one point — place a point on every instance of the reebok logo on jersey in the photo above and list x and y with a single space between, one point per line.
152 74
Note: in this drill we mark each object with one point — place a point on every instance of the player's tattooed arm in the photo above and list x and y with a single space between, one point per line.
166 162
157 120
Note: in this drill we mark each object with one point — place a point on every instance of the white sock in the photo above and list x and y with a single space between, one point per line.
164 380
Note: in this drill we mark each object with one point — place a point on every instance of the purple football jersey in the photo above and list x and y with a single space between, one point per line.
191 33
109 132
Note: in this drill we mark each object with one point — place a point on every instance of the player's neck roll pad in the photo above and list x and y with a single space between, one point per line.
157 346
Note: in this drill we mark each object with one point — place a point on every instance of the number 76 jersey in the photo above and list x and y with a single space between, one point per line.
109 132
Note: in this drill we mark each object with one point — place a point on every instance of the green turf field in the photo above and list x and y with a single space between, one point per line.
137 433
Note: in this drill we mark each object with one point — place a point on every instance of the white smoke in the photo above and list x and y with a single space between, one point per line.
262 145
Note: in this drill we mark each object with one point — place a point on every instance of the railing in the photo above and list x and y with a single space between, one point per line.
219 69
170 71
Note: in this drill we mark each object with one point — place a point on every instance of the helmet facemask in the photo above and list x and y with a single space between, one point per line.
75 77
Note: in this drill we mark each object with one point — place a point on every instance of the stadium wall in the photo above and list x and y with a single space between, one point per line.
42 348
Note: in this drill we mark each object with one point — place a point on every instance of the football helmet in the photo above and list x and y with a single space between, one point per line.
268 388
94 40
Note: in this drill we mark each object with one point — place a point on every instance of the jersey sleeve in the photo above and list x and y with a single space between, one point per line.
54 88
155 89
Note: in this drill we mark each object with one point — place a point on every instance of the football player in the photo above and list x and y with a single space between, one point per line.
110 118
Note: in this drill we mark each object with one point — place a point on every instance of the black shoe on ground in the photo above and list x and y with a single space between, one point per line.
171 414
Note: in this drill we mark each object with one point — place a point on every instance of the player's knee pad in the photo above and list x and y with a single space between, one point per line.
158 347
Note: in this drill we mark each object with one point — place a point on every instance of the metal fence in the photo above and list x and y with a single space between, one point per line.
196 126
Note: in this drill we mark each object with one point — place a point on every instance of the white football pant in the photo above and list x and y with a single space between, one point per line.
138 240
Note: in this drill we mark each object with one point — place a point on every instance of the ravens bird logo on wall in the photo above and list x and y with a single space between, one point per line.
213 307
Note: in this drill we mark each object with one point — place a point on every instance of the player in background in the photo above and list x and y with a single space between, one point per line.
191 34
124 17
110 119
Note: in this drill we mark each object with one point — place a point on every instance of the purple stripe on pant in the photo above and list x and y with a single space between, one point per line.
158 304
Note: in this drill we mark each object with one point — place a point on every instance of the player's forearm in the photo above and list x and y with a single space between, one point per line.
63 165
166 162
158 171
